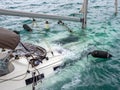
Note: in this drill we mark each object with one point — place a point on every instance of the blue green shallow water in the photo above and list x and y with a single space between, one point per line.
102 32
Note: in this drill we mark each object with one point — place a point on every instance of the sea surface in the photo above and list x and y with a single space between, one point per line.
79 71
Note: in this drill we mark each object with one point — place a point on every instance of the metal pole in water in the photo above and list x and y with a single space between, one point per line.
116 7
85 6
36 15
33 76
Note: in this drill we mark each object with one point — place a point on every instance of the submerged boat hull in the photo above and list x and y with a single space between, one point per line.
22 75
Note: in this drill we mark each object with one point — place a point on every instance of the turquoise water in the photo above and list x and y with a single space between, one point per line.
102 33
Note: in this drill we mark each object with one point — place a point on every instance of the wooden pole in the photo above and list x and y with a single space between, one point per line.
116 7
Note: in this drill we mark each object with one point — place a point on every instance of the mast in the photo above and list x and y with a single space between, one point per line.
116 7
85 6
36 15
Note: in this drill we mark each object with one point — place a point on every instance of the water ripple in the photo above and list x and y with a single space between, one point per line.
79 72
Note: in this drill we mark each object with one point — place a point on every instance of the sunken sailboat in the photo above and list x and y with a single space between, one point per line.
23 65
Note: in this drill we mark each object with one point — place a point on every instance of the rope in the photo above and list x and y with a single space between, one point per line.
34 21
49 47
63 24
67 28
38 73
14 78
26 49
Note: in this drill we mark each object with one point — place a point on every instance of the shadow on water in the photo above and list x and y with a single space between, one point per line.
69 39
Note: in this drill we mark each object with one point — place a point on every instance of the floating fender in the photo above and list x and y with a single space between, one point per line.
27 28
100 54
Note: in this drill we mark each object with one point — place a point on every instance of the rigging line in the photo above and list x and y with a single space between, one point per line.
34 68
21 78
24 76
11 78
38 73
67 28
48 45
63 24
27 49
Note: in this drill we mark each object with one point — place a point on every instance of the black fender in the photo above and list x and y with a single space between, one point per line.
27 28
100 54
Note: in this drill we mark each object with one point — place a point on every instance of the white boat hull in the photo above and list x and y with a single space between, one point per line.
22 73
